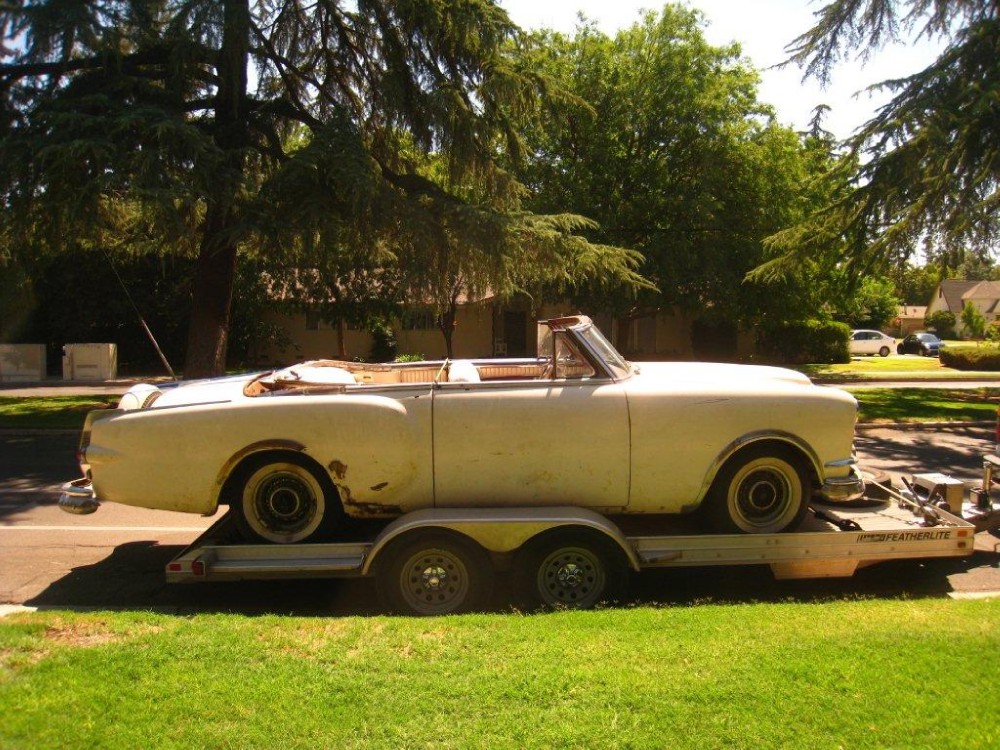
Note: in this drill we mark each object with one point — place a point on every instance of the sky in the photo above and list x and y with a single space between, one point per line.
763 28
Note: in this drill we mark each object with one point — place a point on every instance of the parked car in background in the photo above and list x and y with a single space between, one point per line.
924 344
871 342
297 452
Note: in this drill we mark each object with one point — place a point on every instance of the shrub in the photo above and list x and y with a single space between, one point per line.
942 322
805 342
384 347
972 357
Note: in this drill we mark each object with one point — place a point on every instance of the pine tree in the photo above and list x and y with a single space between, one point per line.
273 126
928 163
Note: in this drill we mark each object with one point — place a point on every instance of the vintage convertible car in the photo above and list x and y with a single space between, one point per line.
298 451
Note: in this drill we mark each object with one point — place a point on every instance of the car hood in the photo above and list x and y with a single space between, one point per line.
711 373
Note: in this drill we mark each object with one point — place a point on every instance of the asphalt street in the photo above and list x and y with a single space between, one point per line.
116 557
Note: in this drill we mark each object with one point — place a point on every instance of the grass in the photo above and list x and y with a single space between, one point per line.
927 404
853 674
918 368
51 412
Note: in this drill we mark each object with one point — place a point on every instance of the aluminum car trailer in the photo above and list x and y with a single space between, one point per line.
438 561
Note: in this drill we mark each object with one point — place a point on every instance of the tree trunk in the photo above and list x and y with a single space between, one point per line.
213 293
341 338
447 325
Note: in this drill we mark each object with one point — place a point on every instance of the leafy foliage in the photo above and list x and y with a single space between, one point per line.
806 342
136 126
666 147
927 165
873 304
973 321
943 322
984 358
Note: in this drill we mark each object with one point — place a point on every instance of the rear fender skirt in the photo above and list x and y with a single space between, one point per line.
758 437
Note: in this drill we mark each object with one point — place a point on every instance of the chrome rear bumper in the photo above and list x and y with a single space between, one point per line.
78 497
843 489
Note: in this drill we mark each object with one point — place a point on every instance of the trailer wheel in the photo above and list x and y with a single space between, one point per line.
569 569
760 490
281 499
434 573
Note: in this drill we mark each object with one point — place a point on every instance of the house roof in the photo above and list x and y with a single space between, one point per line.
984 290
953 290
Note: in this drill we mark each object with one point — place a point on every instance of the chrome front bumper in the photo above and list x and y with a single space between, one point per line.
78 497
843 489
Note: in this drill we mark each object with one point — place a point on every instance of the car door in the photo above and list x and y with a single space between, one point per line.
542 442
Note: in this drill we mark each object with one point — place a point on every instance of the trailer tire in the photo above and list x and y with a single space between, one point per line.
761 490
434 573
569 568
281 498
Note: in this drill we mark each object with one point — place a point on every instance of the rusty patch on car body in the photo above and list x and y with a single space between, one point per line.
339 469
379 486
371 510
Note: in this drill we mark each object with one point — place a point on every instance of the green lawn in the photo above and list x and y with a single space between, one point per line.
921 368
52 412
927 404
851 674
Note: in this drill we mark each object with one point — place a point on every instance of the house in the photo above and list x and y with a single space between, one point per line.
953 294
909 319
485 327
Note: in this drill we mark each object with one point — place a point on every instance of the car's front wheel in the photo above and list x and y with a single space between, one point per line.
760 490
283 499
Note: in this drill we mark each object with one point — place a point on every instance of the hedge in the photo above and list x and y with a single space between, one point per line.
805 342
982 357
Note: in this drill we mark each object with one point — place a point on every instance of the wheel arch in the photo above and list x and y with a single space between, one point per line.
277 447
783 440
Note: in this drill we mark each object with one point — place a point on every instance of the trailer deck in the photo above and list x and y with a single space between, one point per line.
832 542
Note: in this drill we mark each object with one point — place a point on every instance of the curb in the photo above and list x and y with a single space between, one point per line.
920 425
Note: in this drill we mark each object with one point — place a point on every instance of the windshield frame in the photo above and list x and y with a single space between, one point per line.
602 350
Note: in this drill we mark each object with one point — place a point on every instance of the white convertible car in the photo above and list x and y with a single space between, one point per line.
295 451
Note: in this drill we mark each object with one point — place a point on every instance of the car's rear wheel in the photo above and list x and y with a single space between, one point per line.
283 499
760 490
571 569
884 351
434 574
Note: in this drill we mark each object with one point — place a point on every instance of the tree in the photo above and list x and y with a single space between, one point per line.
927 164
943 322
973 321
278 128
915 284
872 305
668 149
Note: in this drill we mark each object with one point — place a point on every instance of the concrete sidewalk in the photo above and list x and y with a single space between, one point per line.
53 387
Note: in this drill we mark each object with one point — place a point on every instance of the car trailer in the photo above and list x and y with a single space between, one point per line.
439 561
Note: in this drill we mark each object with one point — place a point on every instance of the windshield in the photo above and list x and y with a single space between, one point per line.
614 361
